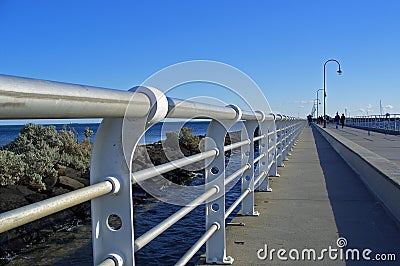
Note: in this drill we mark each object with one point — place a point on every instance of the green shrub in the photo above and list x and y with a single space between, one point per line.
188 140
188 143
31 157
12 167
72 153
172 140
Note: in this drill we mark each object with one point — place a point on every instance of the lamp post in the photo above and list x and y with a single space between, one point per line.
318 101
339 73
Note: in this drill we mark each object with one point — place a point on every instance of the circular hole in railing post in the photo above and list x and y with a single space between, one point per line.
215 207
214 170
247 153
263 163
247 177
114 222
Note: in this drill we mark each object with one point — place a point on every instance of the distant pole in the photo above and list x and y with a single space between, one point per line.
318 101
339 73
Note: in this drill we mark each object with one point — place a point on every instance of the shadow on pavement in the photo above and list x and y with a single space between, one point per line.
359 216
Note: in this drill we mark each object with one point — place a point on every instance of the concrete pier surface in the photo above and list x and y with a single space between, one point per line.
387 146
317 199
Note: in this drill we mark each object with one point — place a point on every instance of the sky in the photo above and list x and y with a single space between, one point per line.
281 45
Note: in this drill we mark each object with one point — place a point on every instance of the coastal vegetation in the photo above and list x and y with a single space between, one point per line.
32 158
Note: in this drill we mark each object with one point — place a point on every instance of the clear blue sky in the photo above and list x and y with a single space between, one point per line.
282 45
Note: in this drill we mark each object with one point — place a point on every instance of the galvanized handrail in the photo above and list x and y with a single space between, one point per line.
110 189
35 211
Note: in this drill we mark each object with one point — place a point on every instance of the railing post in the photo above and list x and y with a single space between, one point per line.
112 214
272 149
263 164
292 131
279 145
286 132
248 176
215 177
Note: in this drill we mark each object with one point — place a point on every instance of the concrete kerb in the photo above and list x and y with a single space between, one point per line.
381 176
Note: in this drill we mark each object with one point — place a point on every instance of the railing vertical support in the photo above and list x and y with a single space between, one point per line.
248 176
263 148
280 138
272 153
285 141
112 214
215 177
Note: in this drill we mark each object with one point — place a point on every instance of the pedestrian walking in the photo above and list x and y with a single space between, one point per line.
337 119
342 119
309 119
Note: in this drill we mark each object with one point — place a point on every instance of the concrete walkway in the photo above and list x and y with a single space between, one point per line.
317 199
387 146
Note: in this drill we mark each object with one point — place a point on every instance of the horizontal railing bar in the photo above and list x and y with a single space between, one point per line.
25 98
260 137
147 173
197 246
107 262
237 145
237 202
260 177
144 239
237 173
270 164
271 148
32 212
262 155
270 133
144 174
189 109
178 108
247 115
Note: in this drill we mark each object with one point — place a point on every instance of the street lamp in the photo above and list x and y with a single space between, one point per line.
339 73
318 101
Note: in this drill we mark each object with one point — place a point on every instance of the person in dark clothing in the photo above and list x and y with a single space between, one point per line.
309 119
337 119
342 119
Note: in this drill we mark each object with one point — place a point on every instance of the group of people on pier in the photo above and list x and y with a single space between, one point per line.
320 120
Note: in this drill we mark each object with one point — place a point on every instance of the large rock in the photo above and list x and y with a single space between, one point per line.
32 198
59 191
50 181
11 199
60 169
22 189
71 172
70 183
84 181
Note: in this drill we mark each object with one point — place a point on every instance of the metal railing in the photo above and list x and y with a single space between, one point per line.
388 123
111 179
